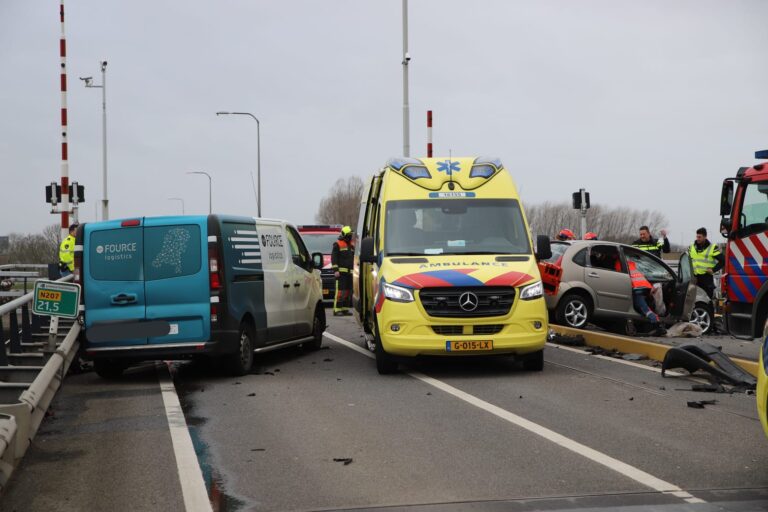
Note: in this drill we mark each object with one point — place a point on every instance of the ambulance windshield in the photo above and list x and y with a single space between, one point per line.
455 226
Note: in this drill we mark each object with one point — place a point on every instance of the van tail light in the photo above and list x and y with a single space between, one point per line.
214 266
78 265
214 313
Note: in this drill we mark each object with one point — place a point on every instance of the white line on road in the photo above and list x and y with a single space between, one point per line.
614 360
190 476
616 465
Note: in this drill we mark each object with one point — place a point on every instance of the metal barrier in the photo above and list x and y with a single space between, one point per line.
30 374
29 272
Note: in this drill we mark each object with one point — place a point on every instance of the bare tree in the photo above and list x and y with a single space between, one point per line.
36 247
342 204
617 224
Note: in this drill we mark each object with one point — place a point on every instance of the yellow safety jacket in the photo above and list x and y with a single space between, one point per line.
703 260
67 253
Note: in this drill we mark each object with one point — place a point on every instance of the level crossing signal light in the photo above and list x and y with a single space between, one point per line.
53 193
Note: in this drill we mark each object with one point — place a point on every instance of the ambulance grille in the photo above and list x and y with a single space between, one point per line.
458 330
444 302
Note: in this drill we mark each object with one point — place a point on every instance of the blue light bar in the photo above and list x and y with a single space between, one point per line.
399 163
762 155
482 171
415 172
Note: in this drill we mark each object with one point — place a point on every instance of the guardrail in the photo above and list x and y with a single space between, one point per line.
29 272
28 386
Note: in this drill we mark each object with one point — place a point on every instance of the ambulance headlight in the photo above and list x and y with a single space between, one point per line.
396 293
532 291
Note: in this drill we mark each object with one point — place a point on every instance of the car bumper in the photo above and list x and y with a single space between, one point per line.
406 330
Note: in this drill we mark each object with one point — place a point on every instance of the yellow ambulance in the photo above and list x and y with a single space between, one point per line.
445 264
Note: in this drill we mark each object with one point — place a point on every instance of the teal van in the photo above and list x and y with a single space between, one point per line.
218 286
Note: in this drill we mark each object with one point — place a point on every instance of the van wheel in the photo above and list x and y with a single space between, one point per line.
703 315
241 361
385 363
534 362
574 311
318 326
108 369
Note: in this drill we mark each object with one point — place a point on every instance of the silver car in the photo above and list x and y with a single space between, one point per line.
594 289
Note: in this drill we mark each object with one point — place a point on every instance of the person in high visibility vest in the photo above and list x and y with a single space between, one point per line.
67 253
342 258
652 245
706 259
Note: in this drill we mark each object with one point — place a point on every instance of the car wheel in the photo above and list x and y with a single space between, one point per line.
241 361
385 363
573 311
318 326
108 369
534 362
703 315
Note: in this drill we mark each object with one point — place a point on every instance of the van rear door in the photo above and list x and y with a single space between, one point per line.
113 279
176 277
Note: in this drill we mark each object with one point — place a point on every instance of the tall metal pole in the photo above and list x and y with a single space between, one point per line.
258 155
406 59
64 148
105 200
183 210
210 189
583 212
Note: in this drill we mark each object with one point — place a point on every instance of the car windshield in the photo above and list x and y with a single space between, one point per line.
455 226
558 249
319 242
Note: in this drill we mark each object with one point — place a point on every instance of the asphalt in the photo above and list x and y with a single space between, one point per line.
323 431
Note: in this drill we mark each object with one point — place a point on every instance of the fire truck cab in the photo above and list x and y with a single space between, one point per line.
744 211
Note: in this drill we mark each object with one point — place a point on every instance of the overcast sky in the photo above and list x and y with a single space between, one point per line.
646 104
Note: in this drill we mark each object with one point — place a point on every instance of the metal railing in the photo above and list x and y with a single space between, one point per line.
28 386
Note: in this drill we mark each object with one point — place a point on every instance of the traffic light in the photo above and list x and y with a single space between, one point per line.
53 193
577 200
76 193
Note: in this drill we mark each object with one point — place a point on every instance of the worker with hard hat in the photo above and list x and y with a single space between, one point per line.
590 236
342 258
565 234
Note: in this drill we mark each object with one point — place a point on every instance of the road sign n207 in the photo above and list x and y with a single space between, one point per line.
56 299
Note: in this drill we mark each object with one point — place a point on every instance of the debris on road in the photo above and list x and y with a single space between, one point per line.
327 360
634 357
684 330
347 460
567 339
251 394
703 356
699 404
258 449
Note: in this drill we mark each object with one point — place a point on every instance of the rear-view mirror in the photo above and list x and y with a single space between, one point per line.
317 260
726 198
366 250
543 248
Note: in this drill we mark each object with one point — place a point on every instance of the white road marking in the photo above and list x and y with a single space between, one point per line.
609 462
190 476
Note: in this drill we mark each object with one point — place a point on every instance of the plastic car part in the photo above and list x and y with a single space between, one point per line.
692 357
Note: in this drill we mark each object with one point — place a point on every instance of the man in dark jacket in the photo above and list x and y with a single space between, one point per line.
707 260
652 245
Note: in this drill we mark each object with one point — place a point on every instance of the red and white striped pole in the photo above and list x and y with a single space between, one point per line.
64 157
429 134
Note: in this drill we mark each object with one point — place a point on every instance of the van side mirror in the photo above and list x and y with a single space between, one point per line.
317 260
366 250
726 198
543 248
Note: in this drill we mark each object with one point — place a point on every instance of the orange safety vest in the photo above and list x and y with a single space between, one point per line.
638 279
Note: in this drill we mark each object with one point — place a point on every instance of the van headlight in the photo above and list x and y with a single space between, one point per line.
532 291
396 293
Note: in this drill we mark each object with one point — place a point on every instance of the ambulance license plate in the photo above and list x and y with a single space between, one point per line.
468 346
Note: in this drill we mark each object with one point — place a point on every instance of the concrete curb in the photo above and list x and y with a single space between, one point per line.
650 349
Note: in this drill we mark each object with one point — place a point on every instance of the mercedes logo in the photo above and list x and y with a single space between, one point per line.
468 301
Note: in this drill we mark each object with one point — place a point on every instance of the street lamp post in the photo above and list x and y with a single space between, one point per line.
258 155
210 188
183 210
89 83
406 107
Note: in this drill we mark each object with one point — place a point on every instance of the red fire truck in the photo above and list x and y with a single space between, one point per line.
744 211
